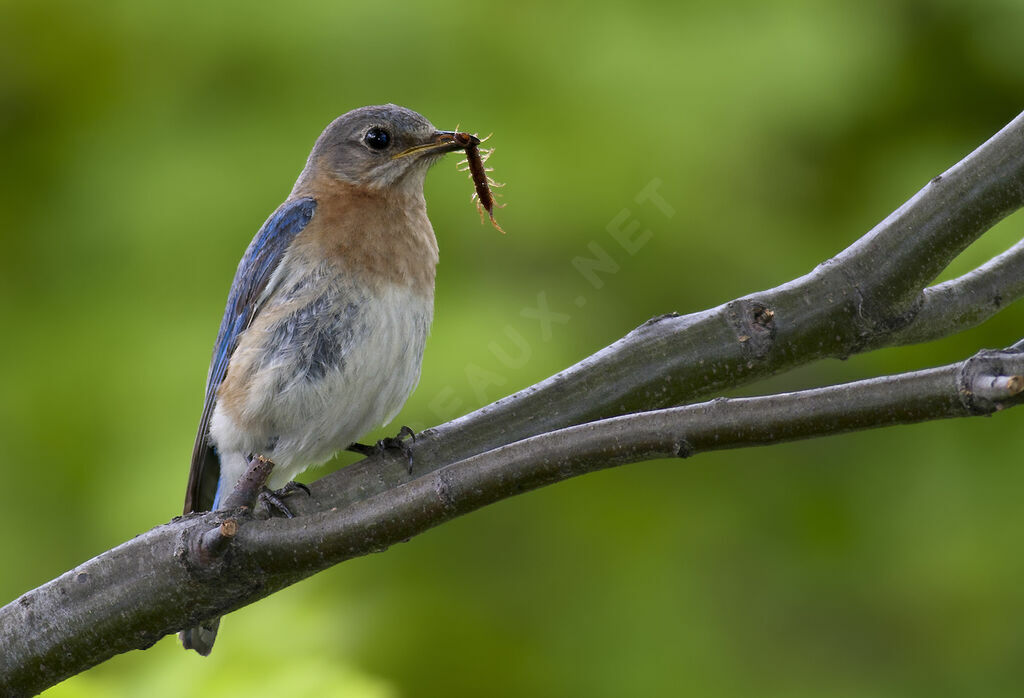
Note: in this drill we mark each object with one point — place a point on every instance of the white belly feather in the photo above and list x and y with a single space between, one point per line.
316 386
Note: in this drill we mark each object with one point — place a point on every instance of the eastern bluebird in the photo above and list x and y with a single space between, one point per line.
327 317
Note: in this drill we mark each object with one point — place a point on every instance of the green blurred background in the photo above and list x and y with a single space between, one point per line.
142 145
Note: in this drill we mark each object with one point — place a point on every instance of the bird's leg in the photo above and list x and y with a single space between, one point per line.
273 500
391 443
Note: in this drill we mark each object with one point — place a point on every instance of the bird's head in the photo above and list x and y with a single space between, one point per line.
382 147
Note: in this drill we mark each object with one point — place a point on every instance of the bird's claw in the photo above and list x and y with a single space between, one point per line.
398 442
273 500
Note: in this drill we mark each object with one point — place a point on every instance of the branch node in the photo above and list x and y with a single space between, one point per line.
991 378
215 542
684 449
754 324
204 552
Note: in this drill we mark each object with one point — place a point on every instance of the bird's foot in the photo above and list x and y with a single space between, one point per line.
399 442
273 500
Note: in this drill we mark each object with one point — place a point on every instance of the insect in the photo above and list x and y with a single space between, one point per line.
475 159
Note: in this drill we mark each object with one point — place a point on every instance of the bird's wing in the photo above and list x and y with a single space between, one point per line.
247 292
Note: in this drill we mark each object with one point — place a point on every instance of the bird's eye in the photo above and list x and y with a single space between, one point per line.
377 138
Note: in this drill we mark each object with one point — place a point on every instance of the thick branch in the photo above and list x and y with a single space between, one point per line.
181 572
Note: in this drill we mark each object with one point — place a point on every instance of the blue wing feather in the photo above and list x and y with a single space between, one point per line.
254 273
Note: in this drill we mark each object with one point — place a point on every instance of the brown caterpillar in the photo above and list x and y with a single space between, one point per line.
477 171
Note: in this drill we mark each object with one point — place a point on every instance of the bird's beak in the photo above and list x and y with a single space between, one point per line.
441 142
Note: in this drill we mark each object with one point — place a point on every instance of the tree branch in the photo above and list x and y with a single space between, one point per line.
966 301
870 295
458 488
206 565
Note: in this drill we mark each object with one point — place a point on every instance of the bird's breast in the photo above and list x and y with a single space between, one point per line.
381 237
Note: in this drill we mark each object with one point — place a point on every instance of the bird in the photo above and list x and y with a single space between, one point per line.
327 317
